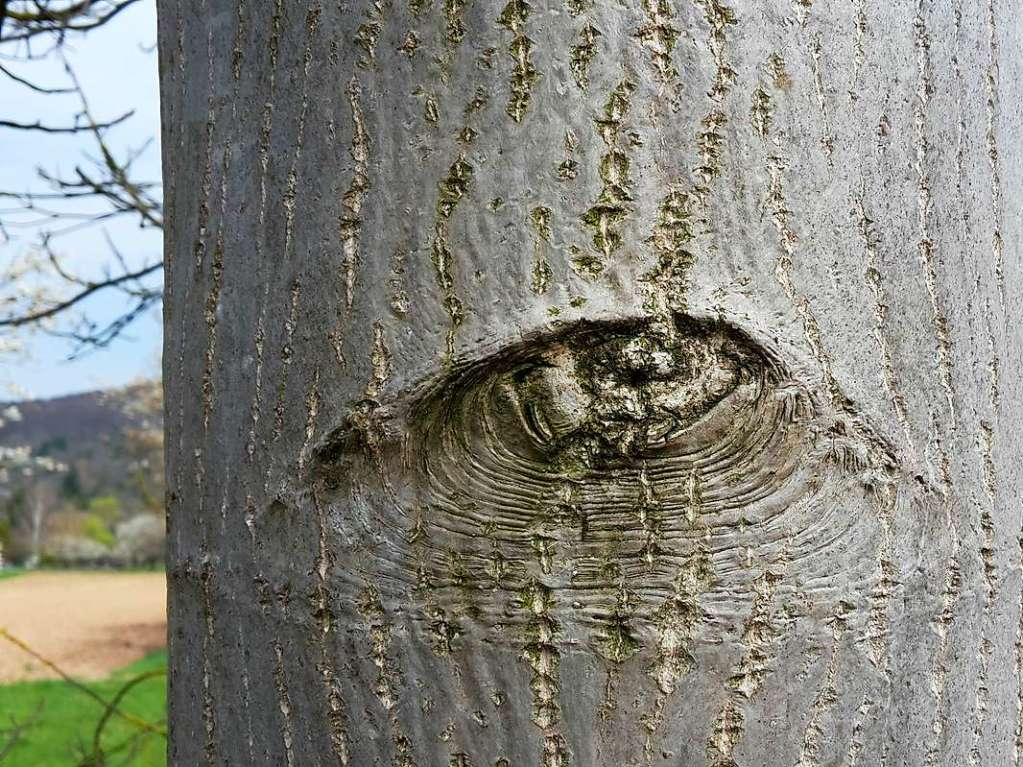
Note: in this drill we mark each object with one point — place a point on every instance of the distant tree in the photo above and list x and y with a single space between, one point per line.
5 539
28 507
96 528
142 402
140 540
42 500
51 447
106 508
71 488
12 459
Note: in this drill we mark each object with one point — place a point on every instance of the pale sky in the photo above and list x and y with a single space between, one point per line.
117 67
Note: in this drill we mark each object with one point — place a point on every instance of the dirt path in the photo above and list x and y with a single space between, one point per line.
87 623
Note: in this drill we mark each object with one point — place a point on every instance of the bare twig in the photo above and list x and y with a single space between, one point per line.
111 708
60 306
47 18
31 85
91 336
16 731
87 127
107 705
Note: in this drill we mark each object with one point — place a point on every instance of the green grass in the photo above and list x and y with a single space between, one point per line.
11 572
63 720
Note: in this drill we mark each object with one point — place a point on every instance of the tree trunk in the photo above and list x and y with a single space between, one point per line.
593 383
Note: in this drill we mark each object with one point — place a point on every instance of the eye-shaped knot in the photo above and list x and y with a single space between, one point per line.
595 465
600 396
600 457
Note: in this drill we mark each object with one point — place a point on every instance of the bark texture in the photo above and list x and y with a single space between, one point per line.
594 383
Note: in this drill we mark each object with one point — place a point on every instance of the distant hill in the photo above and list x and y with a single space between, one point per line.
99 497
51 425
94 434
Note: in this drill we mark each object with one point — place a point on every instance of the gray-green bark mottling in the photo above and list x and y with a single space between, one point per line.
584 383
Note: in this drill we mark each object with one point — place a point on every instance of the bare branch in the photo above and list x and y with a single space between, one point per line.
91 336
29 84
84 128
82 16
93 287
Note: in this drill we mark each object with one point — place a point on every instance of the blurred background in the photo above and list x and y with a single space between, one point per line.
82 588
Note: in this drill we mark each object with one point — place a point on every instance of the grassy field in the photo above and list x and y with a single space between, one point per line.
63 720
10 572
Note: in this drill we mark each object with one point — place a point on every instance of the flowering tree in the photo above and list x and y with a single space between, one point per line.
20 460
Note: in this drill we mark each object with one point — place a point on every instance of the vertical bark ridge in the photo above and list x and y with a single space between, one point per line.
284 704
673 235
206 181
872 275
540 218
613 204
353 199
985 441
388 678
879 622
990 431
201 251
991 81
246 701
278 674
367 35
659 35
855 750
453 12
286 358
542 656
788 241
583 53
925 243
313 401
209 715
809 752
212 305
289 203
451 190
515 18
677 620
861 30
265 136
938 675
336 714
827 134
787 246
238 49
759 634
719 17
986 507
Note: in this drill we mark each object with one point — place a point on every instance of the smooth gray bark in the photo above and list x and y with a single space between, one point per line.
594 383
